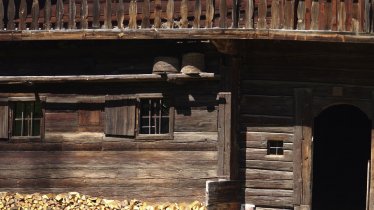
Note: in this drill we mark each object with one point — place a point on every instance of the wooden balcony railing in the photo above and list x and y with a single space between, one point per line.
328 15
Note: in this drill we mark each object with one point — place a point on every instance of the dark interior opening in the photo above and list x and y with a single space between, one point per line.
341 150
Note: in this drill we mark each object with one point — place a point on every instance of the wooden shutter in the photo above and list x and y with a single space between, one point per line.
120 117
4 119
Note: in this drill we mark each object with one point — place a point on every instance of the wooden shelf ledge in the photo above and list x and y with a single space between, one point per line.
106 78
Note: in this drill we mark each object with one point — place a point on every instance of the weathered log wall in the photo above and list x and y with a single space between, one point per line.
270 75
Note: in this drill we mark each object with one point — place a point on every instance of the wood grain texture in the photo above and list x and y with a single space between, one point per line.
35 15
72 13
301 15
277 14
11 15
4 128
170 14
222 14
84 14
120 117
184 14
209 14
96 14
289 14
315 15
59 14
108 14
197 14
249 9
22 14
146 9
120 13
262 11
157 14
47 15
133 12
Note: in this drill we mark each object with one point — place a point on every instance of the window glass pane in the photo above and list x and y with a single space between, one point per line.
26 128
165 125
36 128
17 128
29 108
37 109
165 108
18 110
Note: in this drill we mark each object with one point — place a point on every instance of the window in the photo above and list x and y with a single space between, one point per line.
26 118
155 118
275 147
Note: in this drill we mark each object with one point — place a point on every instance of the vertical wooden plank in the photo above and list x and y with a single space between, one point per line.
372 17
348 11
146 11
222 14
355 22
289 14
170 13
108 14
96 14
11 14
47 15
184 14
224 134
4 111
371 188
197 14
302 162
84 14
366 16
59 14
120 117
315 15
35 15
235 13
1 15
321 14
158 11
328 15
133 11
341 15
249 14
277 14
209 13
308 14
120 13
22 15
72 13
262 10
301 15
334 15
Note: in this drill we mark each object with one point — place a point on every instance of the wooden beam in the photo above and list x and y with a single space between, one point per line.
105 78
302 152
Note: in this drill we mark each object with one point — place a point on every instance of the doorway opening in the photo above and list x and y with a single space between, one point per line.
341 151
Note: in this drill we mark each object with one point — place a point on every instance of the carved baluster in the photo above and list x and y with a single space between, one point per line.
184 14
222 14
197 13
133 12
170 13
47 15
120 14
158 10
72 13
96 14
59 14
22 15
209 14
249 14
262 9
301 15
84 14
146 10
35 15
108 14
11 13
315 15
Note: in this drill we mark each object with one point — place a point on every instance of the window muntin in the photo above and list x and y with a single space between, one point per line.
274 147
27 117
154 116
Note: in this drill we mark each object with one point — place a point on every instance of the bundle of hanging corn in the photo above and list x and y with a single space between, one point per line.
74 200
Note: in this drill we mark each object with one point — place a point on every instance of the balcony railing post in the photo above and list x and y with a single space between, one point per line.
96 14
133 11
197 14
47 15
158 10
11 13
289 14
72 13
301 15
59 14
249 8
223 13
35 15
84 14
184 14
120 13
209 13
146 10
170 14
22 15
235 13
262 10
108 14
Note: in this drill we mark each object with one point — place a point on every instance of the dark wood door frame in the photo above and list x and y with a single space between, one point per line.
303 150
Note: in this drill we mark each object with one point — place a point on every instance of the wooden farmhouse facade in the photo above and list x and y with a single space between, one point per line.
264 104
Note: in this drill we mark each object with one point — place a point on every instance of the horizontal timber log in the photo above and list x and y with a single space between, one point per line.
92 34
104 78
